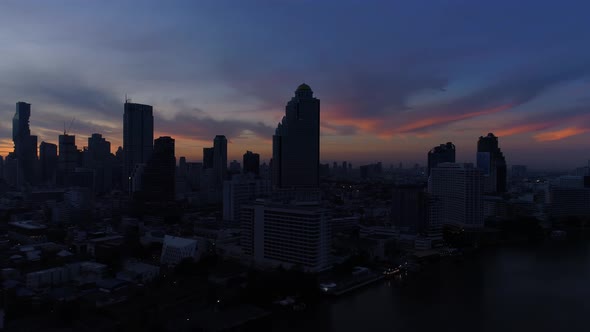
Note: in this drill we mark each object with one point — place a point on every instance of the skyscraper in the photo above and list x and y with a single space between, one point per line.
25 145
48 161
444 153
459 189
159 174
208 157
98 158
138 136
68 158
251 162
296 143
491 160
219 160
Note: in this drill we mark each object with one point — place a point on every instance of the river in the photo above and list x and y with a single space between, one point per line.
519 288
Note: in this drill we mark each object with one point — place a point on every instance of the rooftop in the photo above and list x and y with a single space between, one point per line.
174 241
303 86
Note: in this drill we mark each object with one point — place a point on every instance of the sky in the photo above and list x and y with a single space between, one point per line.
395 78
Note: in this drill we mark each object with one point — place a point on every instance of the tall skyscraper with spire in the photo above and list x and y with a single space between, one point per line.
296 143
138 137
491 160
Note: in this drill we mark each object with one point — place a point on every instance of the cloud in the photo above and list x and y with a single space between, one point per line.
205 128
560 134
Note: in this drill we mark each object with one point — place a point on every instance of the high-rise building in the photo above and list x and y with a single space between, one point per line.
459 189
251 162
296 143
48 161
208 154
491 160
25 145
181 167
287 235
242 189
220 159
138 136
98 158
416 213
159 173
68 158
444 153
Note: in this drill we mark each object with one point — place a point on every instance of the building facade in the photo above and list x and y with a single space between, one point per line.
287 235
242 189
444 153
459 190
491 161
25 144
138 137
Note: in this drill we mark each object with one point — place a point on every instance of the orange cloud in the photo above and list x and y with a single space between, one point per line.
447 118
525 128
560 134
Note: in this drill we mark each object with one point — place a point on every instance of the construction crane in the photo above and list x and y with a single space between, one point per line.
70 126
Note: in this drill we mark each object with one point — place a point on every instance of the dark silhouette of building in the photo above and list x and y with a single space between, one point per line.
444 153
68 158
138 136
99 159
235 167
409 213
48 161
491 160
251 162
208 154
296 143
25 145
220 159
159 174
181 172
118 165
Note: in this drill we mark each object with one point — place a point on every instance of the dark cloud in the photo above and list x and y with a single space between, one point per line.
202 127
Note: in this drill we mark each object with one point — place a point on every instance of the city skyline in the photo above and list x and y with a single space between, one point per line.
428 80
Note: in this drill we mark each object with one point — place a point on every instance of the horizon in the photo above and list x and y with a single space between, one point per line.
401 79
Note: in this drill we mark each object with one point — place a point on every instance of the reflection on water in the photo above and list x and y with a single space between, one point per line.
543 288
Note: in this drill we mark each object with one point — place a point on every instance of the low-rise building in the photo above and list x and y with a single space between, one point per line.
175 249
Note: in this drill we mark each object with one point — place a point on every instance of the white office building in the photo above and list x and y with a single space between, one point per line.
459 190
286 234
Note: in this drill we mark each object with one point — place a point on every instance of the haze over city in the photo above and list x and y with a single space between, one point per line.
396 77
